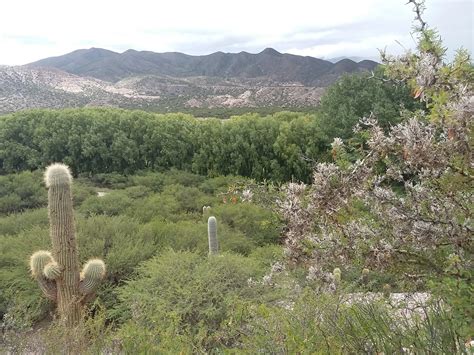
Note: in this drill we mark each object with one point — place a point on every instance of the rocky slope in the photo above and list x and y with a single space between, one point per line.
170 81
268 64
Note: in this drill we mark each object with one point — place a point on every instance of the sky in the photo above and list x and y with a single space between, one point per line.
34 29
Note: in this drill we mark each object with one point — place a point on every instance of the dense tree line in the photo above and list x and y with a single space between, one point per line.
110 140
281 146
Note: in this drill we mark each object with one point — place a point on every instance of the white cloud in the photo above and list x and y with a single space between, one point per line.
32 29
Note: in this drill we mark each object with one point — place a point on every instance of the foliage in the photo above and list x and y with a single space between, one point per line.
21 303
331 324
356 96
127 226
111 204
21 191
257 223
186 296
405 206
108 142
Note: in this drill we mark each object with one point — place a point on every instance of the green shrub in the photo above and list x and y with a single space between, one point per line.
111 180
182 235
116 240
268 254
258 224
137 192
174 203
81 191
183 294
21 302
21 191
16 223
151 180
220 184
175 176
156 206
112 204
327 324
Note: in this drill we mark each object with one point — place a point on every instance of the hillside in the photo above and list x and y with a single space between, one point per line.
24 88
268 64
168 82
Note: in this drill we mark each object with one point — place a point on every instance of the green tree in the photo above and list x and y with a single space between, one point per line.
359 95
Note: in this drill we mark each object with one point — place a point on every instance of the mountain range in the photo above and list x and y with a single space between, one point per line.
170 81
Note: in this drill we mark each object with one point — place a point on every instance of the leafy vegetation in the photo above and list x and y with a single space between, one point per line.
281 146
374 256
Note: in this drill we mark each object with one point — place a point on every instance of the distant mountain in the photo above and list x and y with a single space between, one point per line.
268 64
170 81
353 58
25 88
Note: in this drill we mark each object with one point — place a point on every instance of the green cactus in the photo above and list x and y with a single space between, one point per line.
337 276
212 235
52 270
386 290
38 261
57 273
92 273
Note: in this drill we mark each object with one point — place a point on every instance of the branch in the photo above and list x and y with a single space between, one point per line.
418 10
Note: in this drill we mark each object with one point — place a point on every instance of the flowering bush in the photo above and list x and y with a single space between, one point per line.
402 202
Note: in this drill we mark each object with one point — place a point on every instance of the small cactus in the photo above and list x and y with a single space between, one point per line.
337 276
386 290
57 273
212 235
206 210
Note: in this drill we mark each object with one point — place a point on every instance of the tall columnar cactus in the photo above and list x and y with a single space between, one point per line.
58 272
212 235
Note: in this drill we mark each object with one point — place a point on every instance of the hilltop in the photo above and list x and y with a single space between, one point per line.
171 81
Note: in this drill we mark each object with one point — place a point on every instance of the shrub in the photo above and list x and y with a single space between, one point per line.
257 223
330 324
21 302
185 295
21 191
112 204
81 190
16 223
117 240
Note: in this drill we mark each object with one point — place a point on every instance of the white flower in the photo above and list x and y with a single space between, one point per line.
337 143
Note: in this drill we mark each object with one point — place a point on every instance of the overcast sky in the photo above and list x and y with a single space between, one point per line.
35 29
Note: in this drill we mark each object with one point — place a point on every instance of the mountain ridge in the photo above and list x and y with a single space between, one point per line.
171 81
112 66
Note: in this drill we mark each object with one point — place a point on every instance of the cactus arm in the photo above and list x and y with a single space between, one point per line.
38 261
52 271
212 235
92 274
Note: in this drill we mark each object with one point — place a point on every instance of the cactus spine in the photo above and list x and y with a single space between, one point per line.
212 235
58 273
